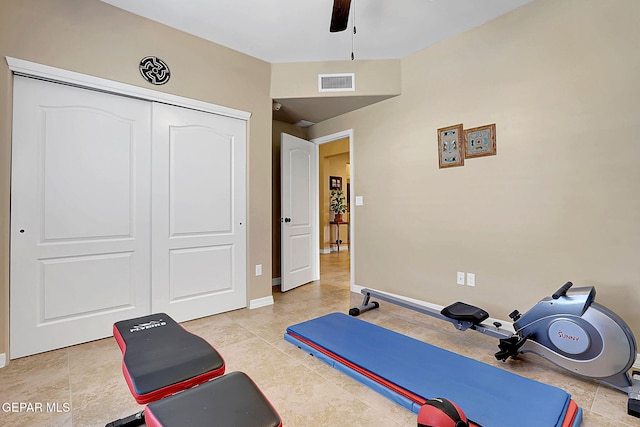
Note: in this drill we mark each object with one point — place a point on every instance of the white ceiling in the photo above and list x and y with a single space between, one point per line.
298 30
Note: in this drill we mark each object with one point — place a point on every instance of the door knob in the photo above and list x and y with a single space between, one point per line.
285 219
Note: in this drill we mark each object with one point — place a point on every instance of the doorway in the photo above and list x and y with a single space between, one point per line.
336 160
278 214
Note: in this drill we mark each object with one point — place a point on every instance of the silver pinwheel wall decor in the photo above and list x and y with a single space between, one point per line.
154 70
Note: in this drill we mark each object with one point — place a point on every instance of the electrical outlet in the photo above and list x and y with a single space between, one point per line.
460 278
259 270
471 279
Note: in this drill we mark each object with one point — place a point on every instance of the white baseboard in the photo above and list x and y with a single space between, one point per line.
343 247
357 288
3 360
276 281
260 302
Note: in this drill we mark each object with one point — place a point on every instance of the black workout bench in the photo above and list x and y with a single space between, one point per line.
180 376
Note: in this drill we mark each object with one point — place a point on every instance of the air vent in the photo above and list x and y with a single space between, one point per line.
303 124
336 82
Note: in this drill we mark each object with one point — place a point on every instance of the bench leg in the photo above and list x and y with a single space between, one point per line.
130 421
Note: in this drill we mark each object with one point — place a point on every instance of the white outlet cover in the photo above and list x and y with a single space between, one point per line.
471 279
460 278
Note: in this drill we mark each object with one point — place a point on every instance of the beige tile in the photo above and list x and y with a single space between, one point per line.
41 384
43 418
219 330
95 379
611 404
591 419
305 391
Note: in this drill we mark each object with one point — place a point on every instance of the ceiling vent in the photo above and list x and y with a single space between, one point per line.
304 124
336 82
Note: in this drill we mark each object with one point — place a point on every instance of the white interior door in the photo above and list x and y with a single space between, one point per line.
199 210
79 214
299 221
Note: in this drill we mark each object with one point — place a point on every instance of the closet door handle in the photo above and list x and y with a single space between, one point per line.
285 219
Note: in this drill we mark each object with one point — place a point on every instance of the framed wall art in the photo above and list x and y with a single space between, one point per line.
480 141
335 183
451 146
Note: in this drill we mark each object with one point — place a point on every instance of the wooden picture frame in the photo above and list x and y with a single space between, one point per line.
451 146
348 194
480 141
335 183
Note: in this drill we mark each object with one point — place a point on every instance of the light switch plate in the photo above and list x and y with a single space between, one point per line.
471 279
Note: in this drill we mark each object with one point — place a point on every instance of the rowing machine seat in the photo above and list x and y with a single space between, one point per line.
464 312
232 400
161 358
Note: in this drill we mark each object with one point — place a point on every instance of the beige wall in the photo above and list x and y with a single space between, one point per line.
559 202
90 37
300 79
277 129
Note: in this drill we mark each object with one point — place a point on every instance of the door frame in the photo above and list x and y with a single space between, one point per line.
348 133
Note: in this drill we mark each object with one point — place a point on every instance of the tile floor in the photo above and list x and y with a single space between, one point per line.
83 385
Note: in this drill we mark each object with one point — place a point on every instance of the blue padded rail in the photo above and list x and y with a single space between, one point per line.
490 396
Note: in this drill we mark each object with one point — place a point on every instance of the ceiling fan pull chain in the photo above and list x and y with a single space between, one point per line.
354 29
354 16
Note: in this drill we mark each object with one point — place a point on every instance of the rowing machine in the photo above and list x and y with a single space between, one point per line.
569 329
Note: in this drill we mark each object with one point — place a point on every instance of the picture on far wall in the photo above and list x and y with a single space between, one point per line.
348 193
451 146
335 183
480 141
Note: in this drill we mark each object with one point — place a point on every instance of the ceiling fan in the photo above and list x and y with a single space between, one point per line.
340 15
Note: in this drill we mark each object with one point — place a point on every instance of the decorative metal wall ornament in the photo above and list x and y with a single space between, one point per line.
154 70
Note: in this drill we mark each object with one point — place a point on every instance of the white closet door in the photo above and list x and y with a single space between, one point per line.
79 214
199 209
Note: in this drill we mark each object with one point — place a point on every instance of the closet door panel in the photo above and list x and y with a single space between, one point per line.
80 209
199 230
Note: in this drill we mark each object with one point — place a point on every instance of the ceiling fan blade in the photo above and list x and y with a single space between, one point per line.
340 15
